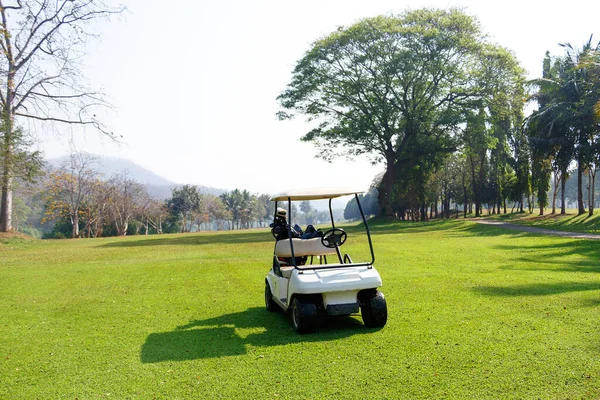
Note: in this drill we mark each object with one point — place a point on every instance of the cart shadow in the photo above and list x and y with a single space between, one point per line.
223 336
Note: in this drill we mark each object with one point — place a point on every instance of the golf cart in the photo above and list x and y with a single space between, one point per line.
308 285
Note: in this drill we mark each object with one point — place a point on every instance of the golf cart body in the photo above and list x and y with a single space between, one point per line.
313 278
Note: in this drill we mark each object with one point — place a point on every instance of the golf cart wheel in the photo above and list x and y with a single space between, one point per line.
304 316
269 303
374 310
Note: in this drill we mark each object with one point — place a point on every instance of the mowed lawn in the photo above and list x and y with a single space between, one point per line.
474 312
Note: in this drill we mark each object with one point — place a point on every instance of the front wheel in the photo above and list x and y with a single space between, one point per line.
374 310
304 316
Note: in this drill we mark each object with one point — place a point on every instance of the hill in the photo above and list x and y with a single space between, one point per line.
108 166
158 186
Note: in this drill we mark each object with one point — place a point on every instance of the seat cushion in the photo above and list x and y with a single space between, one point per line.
302 247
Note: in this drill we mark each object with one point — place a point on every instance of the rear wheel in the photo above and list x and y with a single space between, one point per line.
269 303
304 316
373 308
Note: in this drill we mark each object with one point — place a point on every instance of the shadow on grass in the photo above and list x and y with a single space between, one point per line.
455 228
569 256
196 239
578 223
537 289
219 336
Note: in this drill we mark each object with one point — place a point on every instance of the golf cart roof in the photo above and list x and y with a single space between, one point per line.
314 194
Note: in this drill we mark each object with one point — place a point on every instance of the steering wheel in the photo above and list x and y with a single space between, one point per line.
333 238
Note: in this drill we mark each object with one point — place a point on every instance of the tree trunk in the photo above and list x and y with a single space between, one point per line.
122 231
555 192
592 175
475 187
563 182
7 156
521 204
6 200
75 223
580 205
464 186
387 186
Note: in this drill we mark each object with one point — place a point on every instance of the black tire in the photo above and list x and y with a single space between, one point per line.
269 303
374 310
304 316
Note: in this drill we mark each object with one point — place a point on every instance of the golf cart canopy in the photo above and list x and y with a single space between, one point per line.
286 246
315 194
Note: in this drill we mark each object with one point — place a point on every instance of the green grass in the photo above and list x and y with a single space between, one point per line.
474 312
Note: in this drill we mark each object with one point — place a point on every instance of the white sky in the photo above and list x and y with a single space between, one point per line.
194 83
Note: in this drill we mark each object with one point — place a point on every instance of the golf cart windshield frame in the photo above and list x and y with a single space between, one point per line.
322 196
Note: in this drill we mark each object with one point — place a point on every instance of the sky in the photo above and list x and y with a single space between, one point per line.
193 84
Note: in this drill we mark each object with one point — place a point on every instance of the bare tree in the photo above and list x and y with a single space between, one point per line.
96 210
125 201
69 188
154 213
42 45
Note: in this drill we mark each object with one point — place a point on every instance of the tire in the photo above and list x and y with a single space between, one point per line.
269 303
374 310
304 316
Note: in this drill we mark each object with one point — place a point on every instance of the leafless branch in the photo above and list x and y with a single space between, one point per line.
95 124
17 7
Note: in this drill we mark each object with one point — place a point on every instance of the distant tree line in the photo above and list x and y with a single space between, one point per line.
75 200
79 203
368 202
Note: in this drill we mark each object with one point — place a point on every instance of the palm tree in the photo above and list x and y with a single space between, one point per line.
564 127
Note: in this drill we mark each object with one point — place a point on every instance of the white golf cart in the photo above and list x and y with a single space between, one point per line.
304 282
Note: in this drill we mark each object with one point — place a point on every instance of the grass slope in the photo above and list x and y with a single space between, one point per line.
474 312
569 222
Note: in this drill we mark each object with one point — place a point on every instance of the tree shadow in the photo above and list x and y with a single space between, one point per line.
481 230
537 289
557 257
196 239
222 336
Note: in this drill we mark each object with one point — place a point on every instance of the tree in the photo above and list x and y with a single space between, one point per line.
153 212
96 211
232 201
368 202
215 209
125 201
26 165
477 142
267 206
69 188
183 205
42 43
565 123
309 213
391 86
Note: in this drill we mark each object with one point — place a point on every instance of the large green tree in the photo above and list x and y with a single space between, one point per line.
392 86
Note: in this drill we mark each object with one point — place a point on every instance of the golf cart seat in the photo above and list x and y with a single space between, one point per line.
303 247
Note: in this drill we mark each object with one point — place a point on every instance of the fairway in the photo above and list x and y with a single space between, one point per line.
474 312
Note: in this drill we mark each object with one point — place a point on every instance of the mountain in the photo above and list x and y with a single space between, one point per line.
108 166
158 187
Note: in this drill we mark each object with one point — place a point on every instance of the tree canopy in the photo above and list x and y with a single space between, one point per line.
397 88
